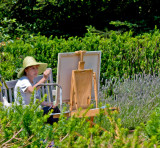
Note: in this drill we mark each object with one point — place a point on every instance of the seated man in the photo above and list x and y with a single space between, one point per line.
26 84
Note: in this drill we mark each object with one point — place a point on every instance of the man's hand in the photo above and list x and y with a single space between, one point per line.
46 73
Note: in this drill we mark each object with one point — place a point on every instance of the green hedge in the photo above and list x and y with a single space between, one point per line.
122 54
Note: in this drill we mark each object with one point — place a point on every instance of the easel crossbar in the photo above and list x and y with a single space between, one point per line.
82 113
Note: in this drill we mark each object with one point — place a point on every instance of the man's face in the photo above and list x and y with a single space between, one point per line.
32 71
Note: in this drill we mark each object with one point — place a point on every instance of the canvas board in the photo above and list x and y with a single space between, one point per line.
68 62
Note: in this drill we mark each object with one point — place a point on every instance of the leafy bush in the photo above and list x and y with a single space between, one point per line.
122 54
21 126
10 29
150 131
24 126
8 67
152 127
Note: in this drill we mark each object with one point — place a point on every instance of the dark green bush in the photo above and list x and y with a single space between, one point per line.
70 17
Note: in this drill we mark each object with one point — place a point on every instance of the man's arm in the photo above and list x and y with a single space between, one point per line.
30 89
46 73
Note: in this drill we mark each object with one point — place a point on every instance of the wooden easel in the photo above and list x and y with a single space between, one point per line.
80 92
81 85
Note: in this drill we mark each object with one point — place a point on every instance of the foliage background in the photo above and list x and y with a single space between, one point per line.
127 34
70 17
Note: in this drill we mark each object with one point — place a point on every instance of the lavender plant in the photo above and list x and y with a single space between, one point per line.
136 97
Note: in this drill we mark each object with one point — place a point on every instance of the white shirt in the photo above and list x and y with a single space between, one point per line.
21 87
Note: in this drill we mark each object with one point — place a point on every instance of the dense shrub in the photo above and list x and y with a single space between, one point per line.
122 54
152 127
25 127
